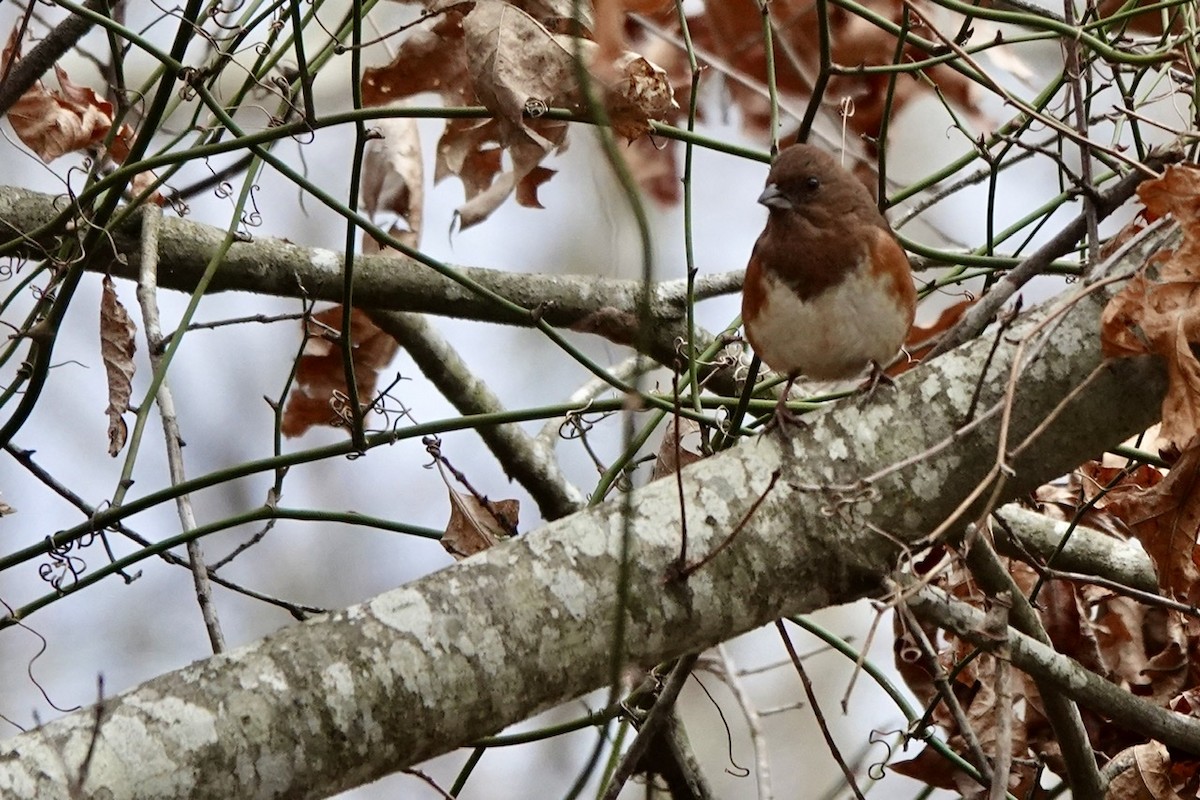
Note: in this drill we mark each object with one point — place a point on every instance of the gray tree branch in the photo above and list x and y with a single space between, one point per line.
349 697
603 306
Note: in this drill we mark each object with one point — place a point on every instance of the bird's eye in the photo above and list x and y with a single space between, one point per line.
813 183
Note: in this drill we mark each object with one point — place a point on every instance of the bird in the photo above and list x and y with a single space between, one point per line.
828 290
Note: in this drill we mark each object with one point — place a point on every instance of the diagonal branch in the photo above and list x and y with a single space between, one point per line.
346 698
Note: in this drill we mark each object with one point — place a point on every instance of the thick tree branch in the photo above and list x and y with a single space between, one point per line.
346 698
391 282
1066 675
1087 551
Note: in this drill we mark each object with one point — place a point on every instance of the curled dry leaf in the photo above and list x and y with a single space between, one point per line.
52 122
319 396
1143 648
974 686
1158 311
516 59
393 182
1165 518
680 446
476 525
1148 779
1084 497
116 351
6 509
637 92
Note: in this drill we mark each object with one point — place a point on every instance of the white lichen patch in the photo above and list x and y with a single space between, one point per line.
326 260
404 610
266 674
157 740
337 681
832 441
274 772
413 666
189 725
567 589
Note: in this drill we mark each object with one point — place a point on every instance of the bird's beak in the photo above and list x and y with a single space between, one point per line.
772 197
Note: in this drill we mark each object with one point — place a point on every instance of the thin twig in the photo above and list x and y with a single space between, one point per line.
651 726
1067 676
946 692
147 294
762 763
979 315
523 457
1002 711
834 750
1063 715
25 458
1075 79
685 570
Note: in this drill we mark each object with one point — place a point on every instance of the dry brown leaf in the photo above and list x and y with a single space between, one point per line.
1148 779
319 396
1149 21
1084 497
476 525
471 150
681 444
393 182
6 509
51 122
516 65
431 58
116 351
1158 311
637 91
610 23
527 189
1165 518
732 31
516 59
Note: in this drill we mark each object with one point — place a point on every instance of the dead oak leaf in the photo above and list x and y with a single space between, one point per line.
1158 311
431 58
517 59
319 395
117 347
475 525
393 179
1148 779
1165 518
681 445
54 122
527 189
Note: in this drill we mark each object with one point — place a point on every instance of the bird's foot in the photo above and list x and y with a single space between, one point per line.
783 418
877 378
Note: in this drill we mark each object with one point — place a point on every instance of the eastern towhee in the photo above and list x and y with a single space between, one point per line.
828 290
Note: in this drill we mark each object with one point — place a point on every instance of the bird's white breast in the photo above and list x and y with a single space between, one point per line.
834 335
